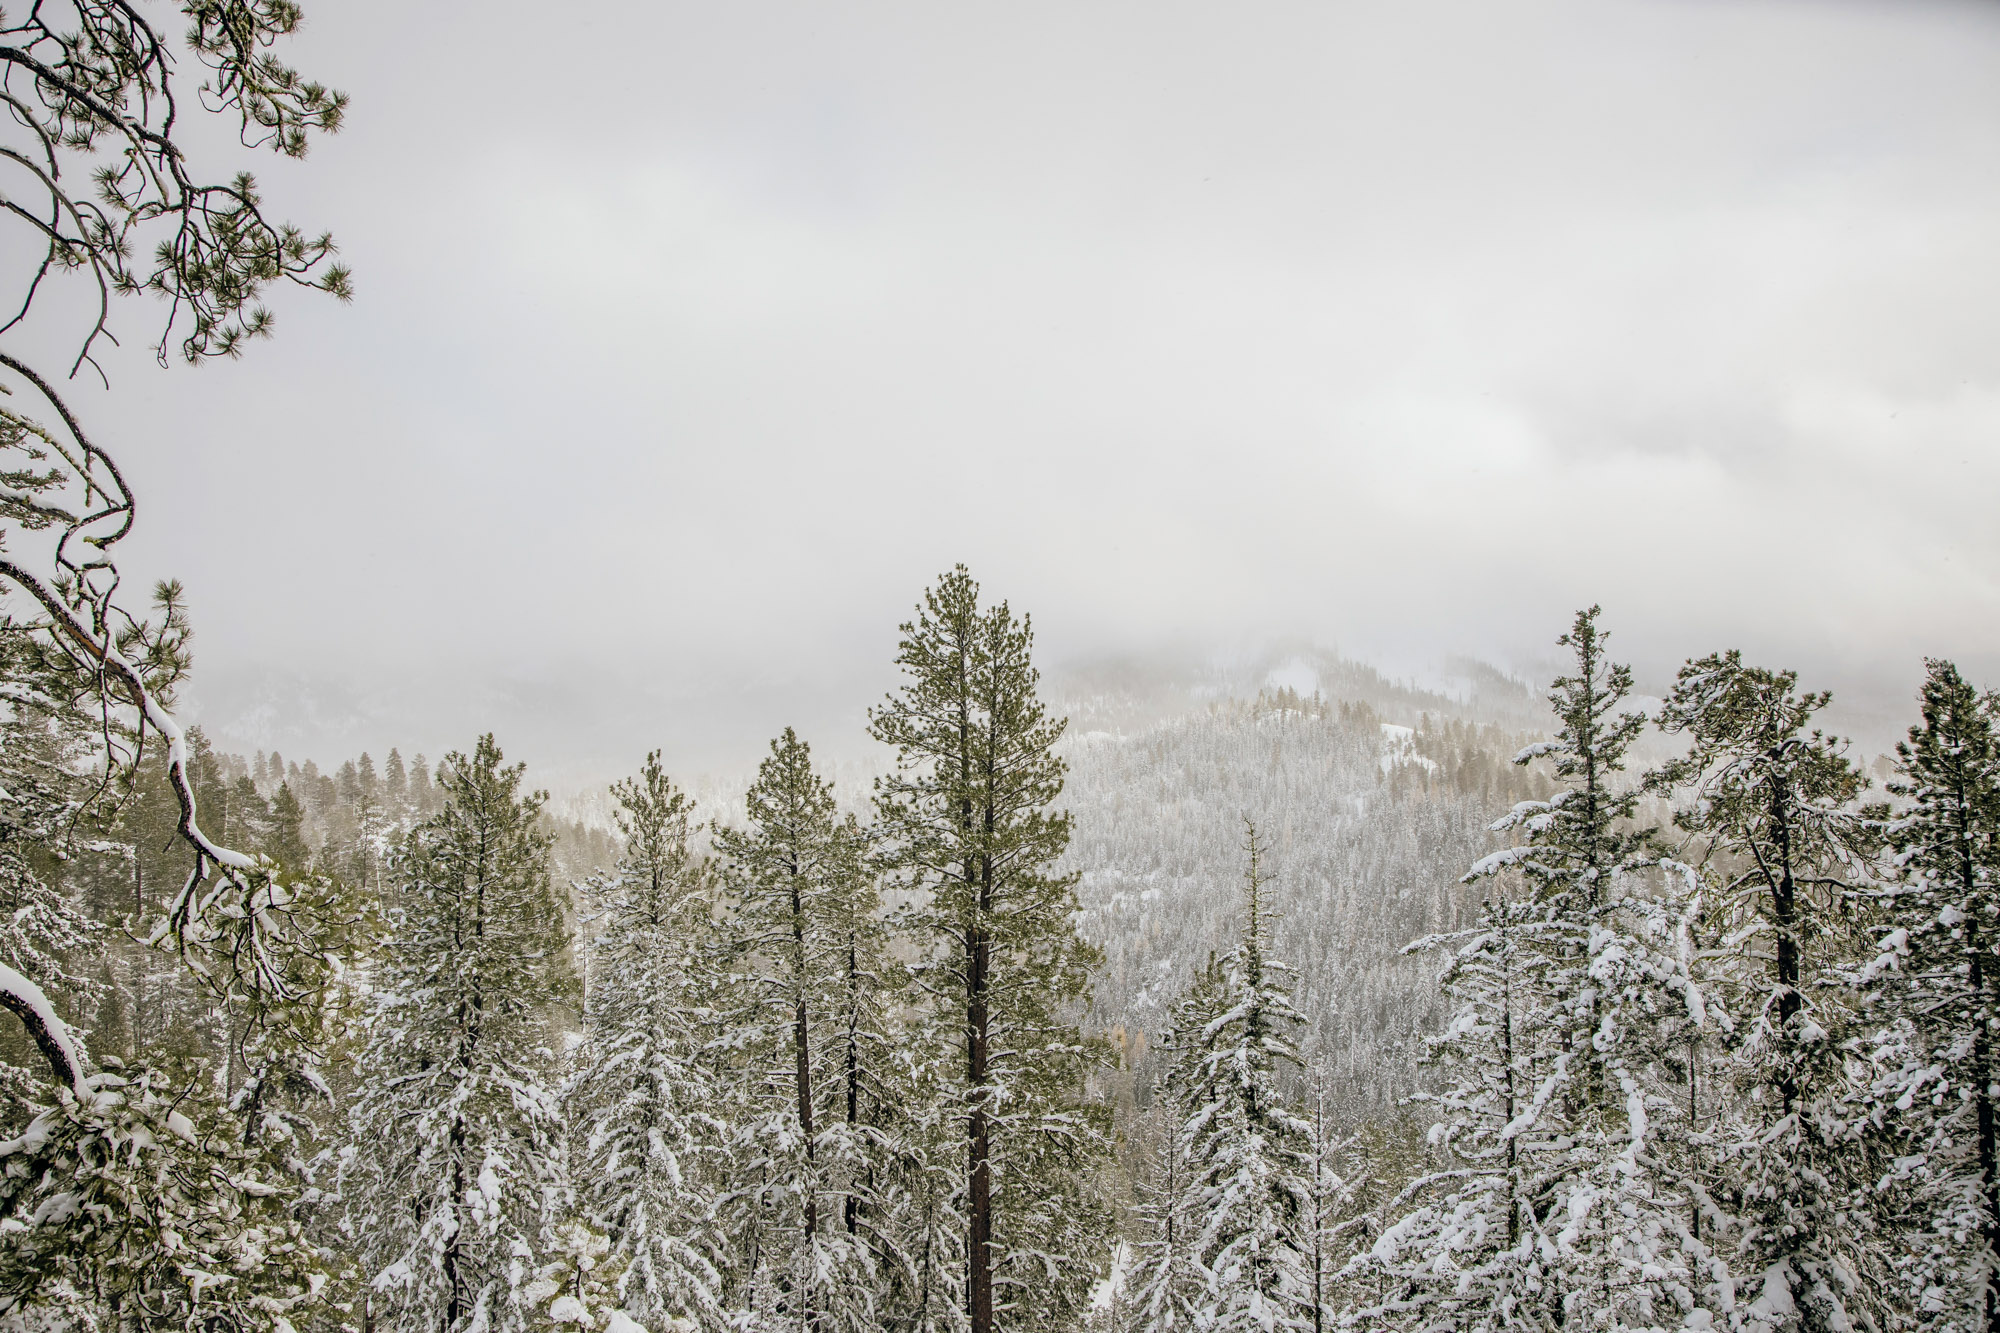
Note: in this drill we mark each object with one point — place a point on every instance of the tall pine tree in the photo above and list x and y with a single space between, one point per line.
1936 982
1470 1254
1773 807
1249 1151
1619 1004
642 1099
804 950
975 841
452 1166
1170 1284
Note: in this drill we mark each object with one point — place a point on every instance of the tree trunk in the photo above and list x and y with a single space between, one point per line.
1507 1056
802 1060
852 1209
979 1183
978 1177
1784 915
1982 1062
454 1301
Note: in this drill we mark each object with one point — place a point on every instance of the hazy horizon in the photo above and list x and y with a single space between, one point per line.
1407 328
574 741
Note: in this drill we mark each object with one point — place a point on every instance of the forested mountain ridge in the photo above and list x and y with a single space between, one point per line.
1368 827
1369 824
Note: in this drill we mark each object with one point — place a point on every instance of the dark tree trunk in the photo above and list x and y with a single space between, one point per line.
852 1209
802 1061
1982 1060
454 1301
979 1182
1784 915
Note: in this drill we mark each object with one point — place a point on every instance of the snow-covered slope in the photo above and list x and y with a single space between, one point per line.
1369 826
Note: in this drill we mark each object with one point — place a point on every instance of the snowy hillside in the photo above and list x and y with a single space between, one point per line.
1369 825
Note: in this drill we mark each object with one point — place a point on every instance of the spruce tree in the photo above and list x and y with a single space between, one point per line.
975 842
1773 805
452 1166
395 782
1471 1255
1170 1282
1612 1004
1576 844
1935 981
287 844
649 1132
803 950
1248 1149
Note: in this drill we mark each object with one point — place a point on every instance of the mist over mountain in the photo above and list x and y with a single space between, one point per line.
588 724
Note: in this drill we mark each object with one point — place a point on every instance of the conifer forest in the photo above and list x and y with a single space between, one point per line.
1101 1003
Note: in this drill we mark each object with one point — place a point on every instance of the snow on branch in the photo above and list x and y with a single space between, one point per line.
49 1033
230 921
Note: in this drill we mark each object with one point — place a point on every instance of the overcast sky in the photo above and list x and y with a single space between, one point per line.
692 340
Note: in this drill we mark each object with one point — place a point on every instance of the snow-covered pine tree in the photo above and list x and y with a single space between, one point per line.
1773 806
116 77
925 1200
575 1289
861 1144
136 1206
452 1166
803 1158
1471 1254
1168 1283
1935 983
129 1188
1339 1171
974 841
1159 1293
1611 997
648 1136
286 844
396 784
1249 1151
1576 845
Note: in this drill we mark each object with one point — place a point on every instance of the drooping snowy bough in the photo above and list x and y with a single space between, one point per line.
117 1190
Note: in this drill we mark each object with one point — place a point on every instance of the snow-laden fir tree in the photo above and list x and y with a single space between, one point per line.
805 1054
1773 807
648 1136
1339 1173
1470 1253
865 1139
1168 1282
1249 1151
1574 847
1614 1006
575 1289
452 1168
974 839
1935 983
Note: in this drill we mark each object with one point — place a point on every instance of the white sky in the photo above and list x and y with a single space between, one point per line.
692 341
